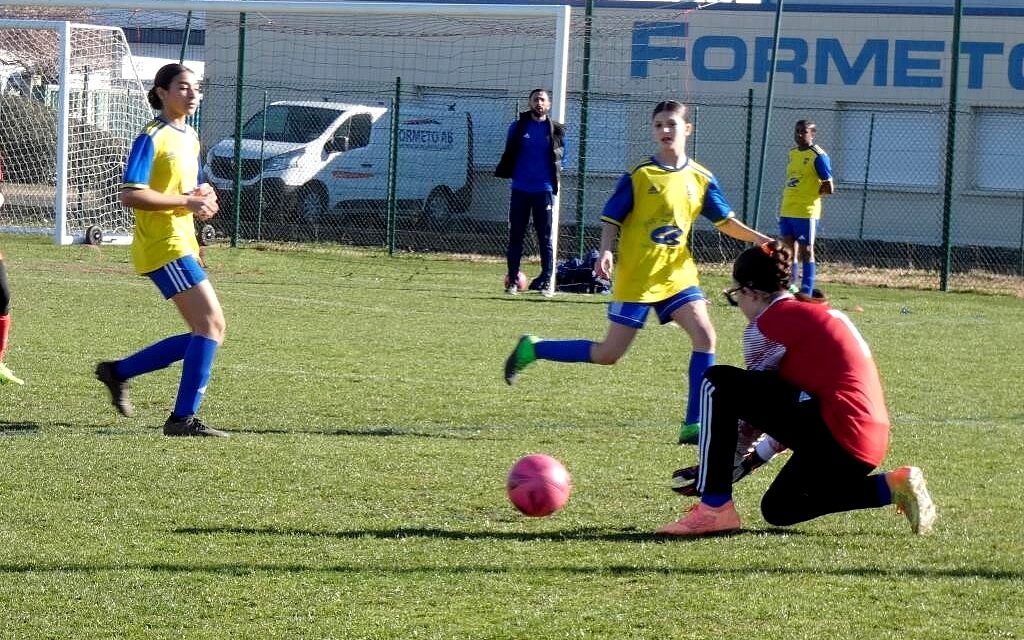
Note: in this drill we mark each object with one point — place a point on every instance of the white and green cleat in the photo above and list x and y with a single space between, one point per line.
520 358
7 376
689 433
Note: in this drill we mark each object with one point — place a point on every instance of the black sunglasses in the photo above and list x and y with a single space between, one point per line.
729 293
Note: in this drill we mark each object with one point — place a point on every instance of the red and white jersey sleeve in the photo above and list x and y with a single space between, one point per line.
819 350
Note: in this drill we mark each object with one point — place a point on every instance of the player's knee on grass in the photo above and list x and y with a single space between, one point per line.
777 509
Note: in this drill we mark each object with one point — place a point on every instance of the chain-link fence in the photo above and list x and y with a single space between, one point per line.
885 224
926 196
908 205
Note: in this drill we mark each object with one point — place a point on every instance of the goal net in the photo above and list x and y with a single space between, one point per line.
313 87
70 106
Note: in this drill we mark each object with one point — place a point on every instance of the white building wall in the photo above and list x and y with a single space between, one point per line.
832 65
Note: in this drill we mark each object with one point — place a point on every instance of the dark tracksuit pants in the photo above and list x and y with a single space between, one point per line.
522 207
820 476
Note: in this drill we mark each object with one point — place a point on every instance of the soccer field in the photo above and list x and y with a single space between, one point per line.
361 494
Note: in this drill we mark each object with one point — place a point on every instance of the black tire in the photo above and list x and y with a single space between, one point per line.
310 204
94 235
206 236
438 208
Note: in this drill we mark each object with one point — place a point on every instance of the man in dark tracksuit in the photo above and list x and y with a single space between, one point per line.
534 148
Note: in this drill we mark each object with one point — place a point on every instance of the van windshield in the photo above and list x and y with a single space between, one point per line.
289 123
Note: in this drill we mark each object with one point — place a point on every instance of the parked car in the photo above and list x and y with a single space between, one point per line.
317 159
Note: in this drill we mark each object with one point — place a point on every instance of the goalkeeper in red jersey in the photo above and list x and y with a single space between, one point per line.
811 384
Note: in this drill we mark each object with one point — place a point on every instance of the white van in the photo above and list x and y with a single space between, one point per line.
320 158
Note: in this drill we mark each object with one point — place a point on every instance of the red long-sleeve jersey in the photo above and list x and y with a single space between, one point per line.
819 350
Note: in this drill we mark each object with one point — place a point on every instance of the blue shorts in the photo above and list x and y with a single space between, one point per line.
177 276
634 314
805 230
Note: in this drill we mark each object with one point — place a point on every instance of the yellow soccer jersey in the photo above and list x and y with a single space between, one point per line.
165 159
654 207
805 171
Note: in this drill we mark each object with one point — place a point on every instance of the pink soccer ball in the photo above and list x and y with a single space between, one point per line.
538 485
522 282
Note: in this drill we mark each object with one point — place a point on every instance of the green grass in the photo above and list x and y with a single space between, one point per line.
361 495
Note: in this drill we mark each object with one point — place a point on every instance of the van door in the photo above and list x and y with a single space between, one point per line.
360 172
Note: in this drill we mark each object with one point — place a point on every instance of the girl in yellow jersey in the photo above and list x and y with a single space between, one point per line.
161 183
651 213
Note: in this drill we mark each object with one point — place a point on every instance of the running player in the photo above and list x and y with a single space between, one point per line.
161 182
651 213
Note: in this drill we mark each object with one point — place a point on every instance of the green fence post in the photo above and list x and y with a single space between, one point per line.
581 189
947 196
1020 266
767 111
393 167
259 198
867 171
748 145
239 93
185 37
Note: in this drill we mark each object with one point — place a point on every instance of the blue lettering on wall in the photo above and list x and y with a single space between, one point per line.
796 65
1015 72
976 52
905 63
644 52
830 49
735 45
727 58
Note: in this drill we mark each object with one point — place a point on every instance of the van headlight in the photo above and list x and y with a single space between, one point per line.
284 161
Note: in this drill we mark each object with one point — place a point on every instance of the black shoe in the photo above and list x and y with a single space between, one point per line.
190 426
540 283
684 480
106 372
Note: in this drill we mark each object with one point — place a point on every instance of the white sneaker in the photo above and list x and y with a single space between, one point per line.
910 495
6 375
513 290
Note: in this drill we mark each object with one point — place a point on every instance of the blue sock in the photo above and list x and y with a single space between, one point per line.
715 499
807 283
699 363
563 350
195 375
158 355
884 492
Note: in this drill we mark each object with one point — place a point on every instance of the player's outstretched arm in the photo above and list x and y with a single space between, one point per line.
736 229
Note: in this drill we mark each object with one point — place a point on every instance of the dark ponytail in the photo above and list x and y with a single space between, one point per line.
164 77
767 268
763 268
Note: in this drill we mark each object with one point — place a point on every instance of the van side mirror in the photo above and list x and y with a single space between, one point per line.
339 144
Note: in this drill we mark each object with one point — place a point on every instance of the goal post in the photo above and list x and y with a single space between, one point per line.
299 62
70 105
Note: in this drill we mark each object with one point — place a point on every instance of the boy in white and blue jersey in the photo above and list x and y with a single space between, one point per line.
161 183
651 212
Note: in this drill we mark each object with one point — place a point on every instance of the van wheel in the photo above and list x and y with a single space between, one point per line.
438 209
206 236
311 204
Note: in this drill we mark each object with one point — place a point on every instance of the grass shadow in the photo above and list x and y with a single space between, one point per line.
577 534
18 428
379 432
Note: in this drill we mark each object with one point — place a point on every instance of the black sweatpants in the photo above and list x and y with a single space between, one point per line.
523 206
820 476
